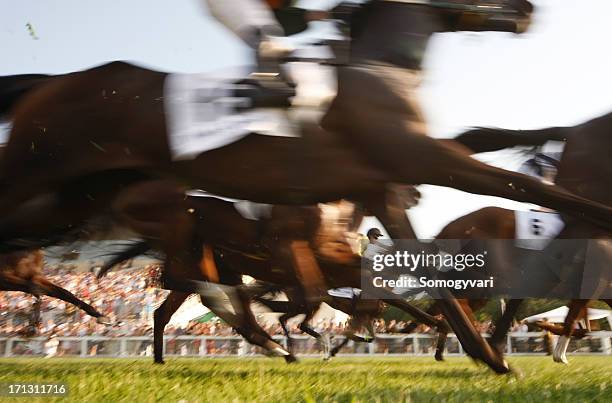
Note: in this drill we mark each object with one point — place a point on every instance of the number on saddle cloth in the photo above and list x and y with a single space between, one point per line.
536 229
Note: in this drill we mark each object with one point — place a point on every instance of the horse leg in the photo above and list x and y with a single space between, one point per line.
48 288
308 271
370 328
283 322
161 317
339 347
323 339
34 317
441 345
251 330
471 340
498 338
348 336
575 308
442 328
418 314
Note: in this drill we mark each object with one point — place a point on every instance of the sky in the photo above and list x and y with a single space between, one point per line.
559 73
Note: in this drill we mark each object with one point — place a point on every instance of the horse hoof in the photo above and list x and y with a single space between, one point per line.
156 362
560 349
439 357
504 369
290 359
501 367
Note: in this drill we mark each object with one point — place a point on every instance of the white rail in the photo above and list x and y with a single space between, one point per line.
598 343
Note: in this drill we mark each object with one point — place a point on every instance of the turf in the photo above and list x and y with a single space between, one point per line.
586 379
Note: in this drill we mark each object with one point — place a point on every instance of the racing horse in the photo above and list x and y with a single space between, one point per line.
108 123
255 247
584 169
498 223
22 271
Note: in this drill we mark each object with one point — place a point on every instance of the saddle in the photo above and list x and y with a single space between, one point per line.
263 91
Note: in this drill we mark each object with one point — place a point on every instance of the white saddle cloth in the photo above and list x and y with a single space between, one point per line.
344 292
201 112
536 229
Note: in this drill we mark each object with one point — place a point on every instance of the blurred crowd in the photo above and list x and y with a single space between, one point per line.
128 298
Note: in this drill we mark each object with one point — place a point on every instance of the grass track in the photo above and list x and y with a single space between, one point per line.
586 379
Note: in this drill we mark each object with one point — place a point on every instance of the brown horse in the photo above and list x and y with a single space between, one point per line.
75 130
584 169
499 223
22 271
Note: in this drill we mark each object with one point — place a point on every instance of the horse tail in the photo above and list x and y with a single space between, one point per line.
484 139
12 88
134 250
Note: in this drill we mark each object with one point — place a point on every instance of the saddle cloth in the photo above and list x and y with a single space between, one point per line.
203 114
536 229
5 130
344 292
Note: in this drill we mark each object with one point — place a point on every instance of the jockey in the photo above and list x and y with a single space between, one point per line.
261 23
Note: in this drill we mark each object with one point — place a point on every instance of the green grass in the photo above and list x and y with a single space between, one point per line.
586 379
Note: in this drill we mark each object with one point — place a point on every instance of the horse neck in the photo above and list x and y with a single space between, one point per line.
584 168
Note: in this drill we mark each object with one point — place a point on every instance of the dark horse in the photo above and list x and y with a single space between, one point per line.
79 140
